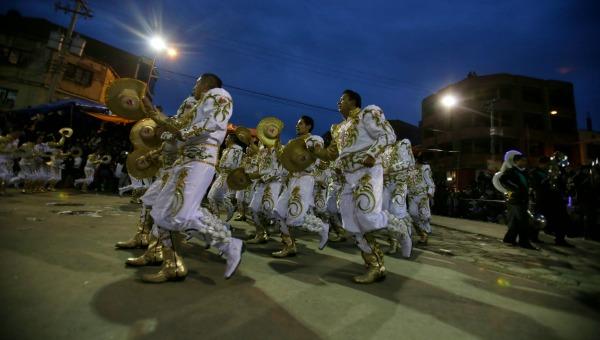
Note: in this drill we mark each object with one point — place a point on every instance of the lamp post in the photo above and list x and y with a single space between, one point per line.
449 101
159 45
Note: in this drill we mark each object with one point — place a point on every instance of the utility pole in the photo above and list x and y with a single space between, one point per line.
81 8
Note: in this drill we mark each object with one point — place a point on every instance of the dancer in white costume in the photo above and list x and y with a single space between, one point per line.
295 205
27 174
243 197
89 169
326 197
219 193
398 162
177 206
42 151
269 181
358 142
420 190
8 151
147 234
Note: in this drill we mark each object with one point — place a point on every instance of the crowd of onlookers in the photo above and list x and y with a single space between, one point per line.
580 191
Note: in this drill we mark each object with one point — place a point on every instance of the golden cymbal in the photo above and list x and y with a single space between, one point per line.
124 98
141 168
67 132
295 157
243 134
237 179
268 130
145 134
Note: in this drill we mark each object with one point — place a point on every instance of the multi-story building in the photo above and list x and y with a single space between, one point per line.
532 115
28 60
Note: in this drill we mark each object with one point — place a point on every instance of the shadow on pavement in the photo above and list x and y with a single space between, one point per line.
203 306
474 317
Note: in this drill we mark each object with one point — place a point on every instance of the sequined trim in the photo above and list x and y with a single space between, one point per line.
179 192
363 195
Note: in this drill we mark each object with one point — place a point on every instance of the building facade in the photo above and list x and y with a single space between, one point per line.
29 58
496 113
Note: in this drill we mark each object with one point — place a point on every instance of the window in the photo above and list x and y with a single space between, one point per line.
563 124
7 98
481 145
505 92
480 119
427 133
532 94
486 94
78 75
506 118
536 148
560 98
465 146
533 121
12 56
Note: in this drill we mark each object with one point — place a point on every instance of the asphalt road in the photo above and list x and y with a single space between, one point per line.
63 279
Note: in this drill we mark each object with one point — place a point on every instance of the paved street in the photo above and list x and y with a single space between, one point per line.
63 279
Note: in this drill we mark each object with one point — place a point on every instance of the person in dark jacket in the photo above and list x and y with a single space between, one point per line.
539 183
514 179
550 193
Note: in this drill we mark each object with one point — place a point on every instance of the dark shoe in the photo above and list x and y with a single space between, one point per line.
528 246
563 243
511 242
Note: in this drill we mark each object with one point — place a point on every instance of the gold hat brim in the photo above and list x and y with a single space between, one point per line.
243 134
76 151
237 179
295 157
134 168
67 132
124 98
262 130
145 141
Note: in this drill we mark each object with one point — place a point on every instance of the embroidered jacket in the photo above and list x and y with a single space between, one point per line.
231 158
363 133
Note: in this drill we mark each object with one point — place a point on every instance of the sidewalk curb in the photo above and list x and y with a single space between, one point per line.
493 230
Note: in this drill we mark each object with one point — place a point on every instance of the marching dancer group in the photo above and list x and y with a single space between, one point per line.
362 183
40 164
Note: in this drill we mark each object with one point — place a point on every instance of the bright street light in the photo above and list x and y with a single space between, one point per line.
158 43
553 112
171 52
449 101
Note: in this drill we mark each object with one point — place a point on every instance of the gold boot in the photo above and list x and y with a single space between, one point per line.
260 237
393 245
140 239
338 233
173 268
422 237
289 247
151 257
373 261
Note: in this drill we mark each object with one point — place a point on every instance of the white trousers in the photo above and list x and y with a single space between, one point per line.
361 199
418 208
219 194
264 198
177 205
295 205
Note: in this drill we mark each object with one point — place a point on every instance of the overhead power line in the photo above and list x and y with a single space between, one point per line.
261 94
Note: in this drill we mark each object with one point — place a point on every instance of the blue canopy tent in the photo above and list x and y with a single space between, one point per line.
65 105
71 106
